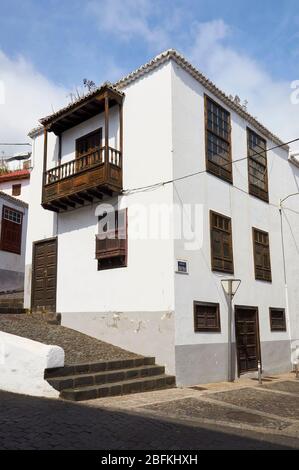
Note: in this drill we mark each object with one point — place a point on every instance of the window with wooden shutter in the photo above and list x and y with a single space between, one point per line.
277 319
16 189
11 230
221 243
261 252
206 317
257 166
218 140
111 241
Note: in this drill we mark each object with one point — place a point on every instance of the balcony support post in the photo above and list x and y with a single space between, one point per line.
45 160
121 133
106 133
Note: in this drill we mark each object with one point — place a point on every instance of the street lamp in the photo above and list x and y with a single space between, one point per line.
230 287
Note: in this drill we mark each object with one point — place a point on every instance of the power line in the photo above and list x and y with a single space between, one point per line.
163 183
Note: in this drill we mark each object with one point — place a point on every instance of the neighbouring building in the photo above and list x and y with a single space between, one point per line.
165 145
16 183
13 227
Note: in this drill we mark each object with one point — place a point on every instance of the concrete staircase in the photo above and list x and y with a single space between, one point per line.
108 378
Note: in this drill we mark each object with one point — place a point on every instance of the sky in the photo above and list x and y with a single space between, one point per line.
47 48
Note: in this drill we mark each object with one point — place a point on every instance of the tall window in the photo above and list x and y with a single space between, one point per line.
257 166
261 252
221 243
11 230
111 241
218 140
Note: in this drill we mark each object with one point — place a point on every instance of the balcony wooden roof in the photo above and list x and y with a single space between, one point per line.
82 109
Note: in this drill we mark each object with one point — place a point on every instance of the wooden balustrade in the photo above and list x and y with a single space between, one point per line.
99 171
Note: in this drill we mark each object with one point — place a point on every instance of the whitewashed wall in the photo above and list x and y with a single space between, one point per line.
25 188
246 212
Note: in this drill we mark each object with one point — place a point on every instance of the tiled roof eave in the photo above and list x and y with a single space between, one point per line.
13 200
172 54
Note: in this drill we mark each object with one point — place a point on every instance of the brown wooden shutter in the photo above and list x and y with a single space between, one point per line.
206 317
111 243
11 230
277 319
261 253
221 243
257 166
218 140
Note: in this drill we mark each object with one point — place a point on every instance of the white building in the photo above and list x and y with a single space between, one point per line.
16 183
163 122
13 227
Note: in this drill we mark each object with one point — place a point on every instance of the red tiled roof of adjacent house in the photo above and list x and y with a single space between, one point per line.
14 175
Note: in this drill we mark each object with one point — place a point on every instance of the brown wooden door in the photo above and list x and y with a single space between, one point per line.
247 339
44 275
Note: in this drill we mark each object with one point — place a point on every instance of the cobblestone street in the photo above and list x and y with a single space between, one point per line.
224 416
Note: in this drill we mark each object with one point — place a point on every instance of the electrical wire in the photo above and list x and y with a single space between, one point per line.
163 183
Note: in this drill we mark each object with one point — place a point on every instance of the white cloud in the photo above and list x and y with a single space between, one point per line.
130 19
237 73
28 96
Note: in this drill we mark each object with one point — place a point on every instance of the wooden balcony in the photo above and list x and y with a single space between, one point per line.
97 169
83 179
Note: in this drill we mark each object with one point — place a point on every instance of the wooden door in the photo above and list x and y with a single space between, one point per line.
247 339
44 275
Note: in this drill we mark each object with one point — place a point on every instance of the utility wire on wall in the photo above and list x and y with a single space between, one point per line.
163 183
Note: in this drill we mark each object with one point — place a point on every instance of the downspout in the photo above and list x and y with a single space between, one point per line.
285 276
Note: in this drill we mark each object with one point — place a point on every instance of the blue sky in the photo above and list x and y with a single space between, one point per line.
49 46
66 41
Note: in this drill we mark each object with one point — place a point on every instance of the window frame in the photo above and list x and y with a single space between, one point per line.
206 329
16 187
280 329
209 163
119 260
253 189
213 267
4 243
256 267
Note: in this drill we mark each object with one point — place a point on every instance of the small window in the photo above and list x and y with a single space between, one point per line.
278 319
221 243
111 241
261 254
206 317
16 189
11 230
218 140
257 166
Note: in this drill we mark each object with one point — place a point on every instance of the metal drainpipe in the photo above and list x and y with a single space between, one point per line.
230 314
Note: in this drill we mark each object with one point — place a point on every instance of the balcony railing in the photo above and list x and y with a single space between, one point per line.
94 173
82 163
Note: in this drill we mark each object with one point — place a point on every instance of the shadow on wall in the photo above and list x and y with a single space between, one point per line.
90 428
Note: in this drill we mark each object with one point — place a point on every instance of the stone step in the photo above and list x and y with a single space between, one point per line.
108 377
144 384
99 366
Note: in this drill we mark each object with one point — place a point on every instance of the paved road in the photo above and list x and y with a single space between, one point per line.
178 419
